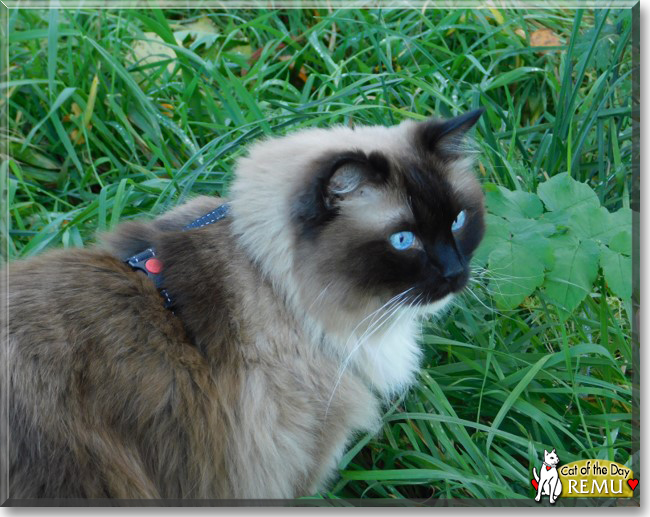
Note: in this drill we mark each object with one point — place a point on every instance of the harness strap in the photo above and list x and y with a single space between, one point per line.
147 262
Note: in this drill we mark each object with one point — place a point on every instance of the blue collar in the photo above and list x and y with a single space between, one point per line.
152 266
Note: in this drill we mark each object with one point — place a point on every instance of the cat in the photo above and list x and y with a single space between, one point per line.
548 481
294 318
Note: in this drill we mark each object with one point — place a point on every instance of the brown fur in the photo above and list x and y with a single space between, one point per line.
114 396
256 382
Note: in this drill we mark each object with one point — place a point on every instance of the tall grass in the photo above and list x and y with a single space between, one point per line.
117 114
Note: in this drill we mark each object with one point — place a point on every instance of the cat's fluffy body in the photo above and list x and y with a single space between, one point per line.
270 364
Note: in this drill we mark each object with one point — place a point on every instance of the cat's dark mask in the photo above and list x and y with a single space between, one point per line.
403 218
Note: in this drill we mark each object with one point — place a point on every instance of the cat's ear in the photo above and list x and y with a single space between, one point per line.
446 137
545 452
336 179
346 179
553 451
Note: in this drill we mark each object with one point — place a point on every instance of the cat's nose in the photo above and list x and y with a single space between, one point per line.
451 271
450 264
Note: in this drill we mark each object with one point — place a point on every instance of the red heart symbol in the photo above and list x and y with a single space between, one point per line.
633 483
536 484
548 468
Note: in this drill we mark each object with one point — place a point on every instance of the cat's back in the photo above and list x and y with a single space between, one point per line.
83 297
96 368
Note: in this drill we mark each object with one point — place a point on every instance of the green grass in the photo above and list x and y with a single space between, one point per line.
497 387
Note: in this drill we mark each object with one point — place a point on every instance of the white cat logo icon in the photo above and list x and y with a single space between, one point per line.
548 482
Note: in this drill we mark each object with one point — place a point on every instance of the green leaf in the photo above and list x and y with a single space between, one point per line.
119 202
621 220
516 270
523 227
314 40
512 203
563 192
63 96
130 85
622 243
497 233
587 222
617 269
591 222
52 46
203 31
574 272
538 244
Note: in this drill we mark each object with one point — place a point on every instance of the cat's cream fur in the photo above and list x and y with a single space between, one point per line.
270 364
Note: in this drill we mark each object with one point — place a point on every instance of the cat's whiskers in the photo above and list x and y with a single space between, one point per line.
469 290
322 293
494 274
493 293
385 318
505 280
376 325
391 306
410 305
491 309
365 337
371 331
387 306
491 275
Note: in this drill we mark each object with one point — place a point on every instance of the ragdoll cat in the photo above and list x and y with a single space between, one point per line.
294 317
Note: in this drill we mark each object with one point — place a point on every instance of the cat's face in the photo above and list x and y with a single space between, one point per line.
551 458
392 219
344 220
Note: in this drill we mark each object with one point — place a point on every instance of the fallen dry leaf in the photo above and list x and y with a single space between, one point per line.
77 136
544 38
151 51
169 109
496 14
302 73
203 31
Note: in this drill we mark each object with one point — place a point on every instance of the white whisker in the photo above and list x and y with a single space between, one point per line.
391 306
322 293
400 316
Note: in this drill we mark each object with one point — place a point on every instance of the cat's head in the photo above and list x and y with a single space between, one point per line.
352 218
551 458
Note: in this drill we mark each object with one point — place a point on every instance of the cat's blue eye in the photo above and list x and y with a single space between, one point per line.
459 222
402 240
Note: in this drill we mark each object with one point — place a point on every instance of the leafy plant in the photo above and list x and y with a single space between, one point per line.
554 241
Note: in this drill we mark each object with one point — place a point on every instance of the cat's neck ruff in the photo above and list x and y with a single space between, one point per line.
382 348
390 358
